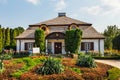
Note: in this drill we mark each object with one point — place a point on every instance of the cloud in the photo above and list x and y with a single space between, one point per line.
106 7
35 2
94 10
61 5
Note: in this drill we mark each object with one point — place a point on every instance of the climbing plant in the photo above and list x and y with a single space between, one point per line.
73 40
40 39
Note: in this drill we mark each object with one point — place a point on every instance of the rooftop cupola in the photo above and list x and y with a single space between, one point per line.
61 14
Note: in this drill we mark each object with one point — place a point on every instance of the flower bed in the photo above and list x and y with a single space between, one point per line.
71 70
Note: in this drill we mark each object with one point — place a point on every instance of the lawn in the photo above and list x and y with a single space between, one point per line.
26 69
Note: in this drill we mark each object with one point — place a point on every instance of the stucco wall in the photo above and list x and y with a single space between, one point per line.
96 43
22 44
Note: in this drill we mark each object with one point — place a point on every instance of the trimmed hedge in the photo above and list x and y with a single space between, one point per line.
106 57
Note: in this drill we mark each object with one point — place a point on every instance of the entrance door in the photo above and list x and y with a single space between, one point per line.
57 47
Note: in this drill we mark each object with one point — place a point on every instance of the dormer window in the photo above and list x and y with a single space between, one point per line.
73 26
44 27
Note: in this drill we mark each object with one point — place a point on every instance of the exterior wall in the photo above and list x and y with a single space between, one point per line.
52 44
102 46
97 42
22 44
58 29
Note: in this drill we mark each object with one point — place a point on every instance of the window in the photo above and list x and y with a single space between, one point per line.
43 27
87 46
73 26
29 45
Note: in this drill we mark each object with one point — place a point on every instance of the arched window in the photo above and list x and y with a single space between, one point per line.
44 27
73 26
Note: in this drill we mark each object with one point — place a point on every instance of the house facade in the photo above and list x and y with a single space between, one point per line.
55 34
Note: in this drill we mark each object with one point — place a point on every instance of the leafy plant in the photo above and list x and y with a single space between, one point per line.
17 74
77 70
85 61
51 66
114 74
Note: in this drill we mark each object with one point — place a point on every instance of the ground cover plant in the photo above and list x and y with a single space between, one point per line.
27 69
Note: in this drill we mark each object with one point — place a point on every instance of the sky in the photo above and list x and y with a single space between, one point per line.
100 13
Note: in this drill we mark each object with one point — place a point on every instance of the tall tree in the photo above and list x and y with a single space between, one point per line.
3 36
1 45
110 33
40 39
7 37
116 43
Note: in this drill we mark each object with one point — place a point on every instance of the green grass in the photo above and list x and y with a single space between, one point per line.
114 74
29 63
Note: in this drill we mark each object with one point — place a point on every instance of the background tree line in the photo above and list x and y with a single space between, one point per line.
7 37
112 37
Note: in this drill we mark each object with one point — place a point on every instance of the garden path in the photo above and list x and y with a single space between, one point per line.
115 63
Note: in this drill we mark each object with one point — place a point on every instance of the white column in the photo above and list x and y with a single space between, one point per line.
17 46
53 47
46 46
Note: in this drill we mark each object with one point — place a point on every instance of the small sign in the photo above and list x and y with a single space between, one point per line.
36 50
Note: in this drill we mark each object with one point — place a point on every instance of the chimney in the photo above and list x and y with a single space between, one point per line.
61 14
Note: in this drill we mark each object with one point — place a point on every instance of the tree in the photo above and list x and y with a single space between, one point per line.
3 37
116 43
7 37
110 33
40 39
73 40
1 45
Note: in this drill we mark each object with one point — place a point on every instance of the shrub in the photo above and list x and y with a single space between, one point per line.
114 74
85 61
51 66
77 70
17 74
21 54
6 57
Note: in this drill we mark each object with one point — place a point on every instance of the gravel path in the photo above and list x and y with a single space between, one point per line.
115 63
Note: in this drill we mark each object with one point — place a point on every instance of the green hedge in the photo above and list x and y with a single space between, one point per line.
106 57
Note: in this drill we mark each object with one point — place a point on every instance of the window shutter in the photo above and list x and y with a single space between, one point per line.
82 46
26 46
92 45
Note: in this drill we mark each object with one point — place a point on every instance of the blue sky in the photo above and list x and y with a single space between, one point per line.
100 13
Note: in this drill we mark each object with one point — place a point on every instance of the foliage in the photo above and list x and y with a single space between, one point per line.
73 40
85 61
114 74
77 70
21 55
40 39
1 38
17 74
6 56
110 33
8 37
51 66
116 42
29 63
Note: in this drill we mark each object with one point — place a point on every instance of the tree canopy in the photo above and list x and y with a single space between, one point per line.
7 37
110 33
